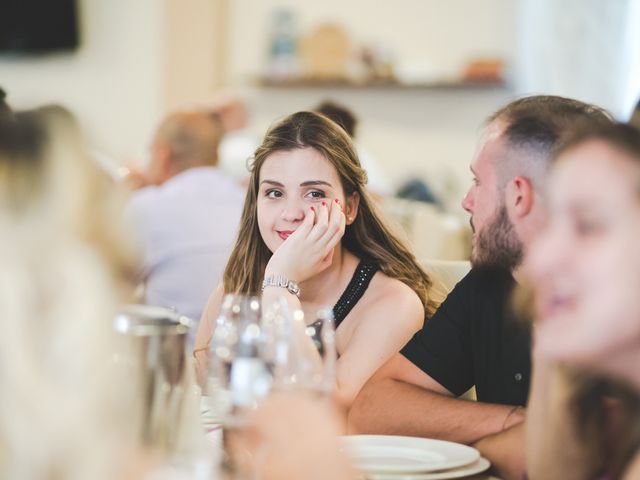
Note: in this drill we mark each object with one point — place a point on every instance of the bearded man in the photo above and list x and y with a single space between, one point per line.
472 340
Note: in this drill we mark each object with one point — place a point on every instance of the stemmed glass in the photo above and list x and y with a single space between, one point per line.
302 357
238 376
251 354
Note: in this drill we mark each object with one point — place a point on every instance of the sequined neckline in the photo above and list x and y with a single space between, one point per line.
358 284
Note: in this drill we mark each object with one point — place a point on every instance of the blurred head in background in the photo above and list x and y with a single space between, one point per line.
635 116
586 263
339 114
184 140
509 170
4 106
230 111
66 266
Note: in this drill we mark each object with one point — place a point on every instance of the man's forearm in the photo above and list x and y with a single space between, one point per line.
389 406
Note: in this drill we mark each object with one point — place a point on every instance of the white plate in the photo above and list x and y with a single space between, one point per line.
396 454
478 466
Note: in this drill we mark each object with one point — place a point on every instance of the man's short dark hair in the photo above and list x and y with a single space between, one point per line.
541 121
537 125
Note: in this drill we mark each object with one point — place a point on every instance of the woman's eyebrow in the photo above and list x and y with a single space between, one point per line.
272 182
315 182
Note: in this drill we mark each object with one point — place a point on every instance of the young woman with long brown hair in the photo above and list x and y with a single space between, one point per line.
309 223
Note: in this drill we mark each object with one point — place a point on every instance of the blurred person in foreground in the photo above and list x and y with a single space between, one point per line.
187 216
583 420
473 340
66 266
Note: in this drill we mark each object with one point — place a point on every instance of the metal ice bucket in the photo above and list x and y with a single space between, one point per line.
155 347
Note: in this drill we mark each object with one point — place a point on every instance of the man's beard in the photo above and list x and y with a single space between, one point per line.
497 244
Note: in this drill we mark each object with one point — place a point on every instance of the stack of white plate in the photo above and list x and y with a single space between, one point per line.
390 457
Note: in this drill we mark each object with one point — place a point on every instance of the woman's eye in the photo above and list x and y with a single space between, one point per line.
273 194
316 194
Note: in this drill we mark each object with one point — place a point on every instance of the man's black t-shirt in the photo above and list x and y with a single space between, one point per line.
473 339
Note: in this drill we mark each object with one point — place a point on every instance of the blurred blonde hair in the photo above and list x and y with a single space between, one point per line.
66 266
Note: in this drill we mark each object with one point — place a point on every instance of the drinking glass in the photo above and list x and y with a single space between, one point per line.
238 376
301 356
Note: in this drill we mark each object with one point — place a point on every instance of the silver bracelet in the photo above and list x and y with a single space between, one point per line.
281 281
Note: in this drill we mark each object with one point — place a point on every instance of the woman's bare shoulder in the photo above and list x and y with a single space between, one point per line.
387 295
386 287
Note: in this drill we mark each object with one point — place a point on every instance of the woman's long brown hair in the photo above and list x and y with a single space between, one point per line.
367 237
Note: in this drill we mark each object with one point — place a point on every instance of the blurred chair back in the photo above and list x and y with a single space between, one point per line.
431 232
446 273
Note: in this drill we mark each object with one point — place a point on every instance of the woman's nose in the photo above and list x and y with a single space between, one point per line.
293 210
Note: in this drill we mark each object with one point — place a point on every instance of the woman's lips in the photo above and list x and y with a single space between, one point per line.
284 234
557 305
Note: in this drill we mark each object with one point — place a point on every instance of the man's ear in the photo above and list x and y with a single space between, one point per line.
351 209
520 196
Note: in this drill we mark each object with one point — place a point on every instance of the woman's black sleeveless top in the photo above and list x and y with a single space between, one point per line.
365 271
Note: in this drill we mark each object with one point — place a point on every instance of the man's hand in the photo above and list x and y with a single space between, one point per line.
135 179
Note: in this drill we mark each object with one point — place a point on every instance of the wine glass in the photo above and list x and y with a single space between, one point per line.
322 333
238 376
301 356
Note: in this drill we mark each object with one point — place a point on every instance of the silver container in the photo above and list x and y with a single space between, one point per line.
155 350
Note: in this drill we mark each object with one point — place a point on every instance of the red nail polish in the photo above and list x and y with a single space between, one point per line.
337 201
313 209
324 204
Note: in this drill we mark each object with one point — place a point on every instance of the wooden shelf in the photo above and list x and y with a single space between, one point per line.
378 84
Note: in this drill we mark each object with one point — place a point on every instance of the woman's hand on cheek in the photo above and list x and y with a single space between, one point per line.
334 232
309 250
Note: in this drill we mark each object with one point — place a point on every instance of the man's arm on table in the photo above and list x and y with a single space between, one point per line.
401 399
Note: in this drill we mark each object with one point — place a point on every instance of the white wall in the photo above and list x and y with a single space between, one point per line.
111 82
137 59
585 49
